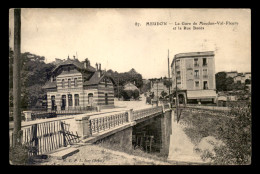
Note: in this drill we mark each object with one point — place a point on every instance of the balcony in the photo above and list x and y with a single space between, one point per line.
196 77
205 76
196 65
177 66
205 65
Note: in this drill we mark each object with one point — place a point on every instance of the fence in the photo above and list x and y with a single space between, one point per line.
104 123
211 108
46 137
40 114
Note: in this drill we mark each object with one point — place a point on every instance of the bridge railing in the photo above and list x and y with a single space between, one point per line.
107 122
90 126
138 114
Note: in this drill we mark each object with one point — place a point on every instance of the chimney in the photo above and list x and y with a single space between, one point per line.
97 66
74 57
85 65
68 57
100 67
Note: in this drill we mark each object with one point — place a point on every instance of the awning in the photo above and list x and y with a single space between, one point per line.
200 94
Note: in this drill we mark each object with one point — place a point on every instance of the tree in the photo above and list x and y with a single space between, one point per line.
229 82
221 81
34 74
163 94
135 94
247 81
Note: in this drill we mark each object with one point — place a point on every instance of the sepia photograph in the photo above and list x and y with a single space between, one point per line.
130 86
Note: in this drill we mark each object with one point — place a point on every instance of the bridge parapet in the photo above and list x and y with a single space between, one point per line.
99 125
138 114
104 123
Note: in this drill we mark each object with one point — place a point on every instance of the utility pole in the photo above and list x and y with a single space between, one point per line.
176 91
118 87
169 75
16 77
157 95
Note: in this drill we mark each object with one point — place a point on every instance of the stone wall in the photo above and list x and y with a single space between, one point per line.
120 140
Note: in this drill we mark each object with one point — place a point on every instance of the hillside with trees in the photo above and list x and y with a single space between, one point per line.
34 73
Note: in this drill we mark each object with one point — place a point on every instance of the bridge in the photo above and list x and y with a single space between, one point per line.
117 126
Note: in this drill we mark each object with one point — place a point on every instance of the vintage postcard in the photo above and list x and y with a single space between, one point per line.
129 86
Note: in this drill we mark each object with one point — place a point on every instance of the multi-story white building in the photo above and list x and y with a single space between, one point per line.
195 75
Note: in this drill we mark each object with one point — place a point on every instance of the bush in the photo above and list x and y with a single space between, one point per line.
236 134
18 155
128 94
135 94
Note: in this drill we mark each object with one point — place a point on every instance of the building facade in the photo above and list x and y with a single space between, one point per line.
195 76
75 85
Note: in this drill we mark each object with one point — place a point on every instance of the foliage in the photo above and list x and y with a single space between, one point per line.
224 83
34 73
122 78
233 129
163 94
146 87
167 83
18 155
126 94
135 94
236 134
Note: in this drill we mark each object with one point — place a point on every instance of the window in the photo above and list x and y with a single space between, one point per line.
76 98
196 73
205 85
53 103
63 102
204 61
68 69
205 73
196 62
69 83
75 82
63 83
106 99
90 98
54 78
70 99
197 84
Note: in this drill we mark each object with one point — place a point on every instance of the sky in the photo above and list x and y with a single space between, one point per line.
110 37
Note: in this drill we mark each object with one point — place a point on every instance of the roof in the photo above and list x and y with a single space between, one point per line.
201 94
75 62
193 54
94 80
231 72
50 84
130 86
